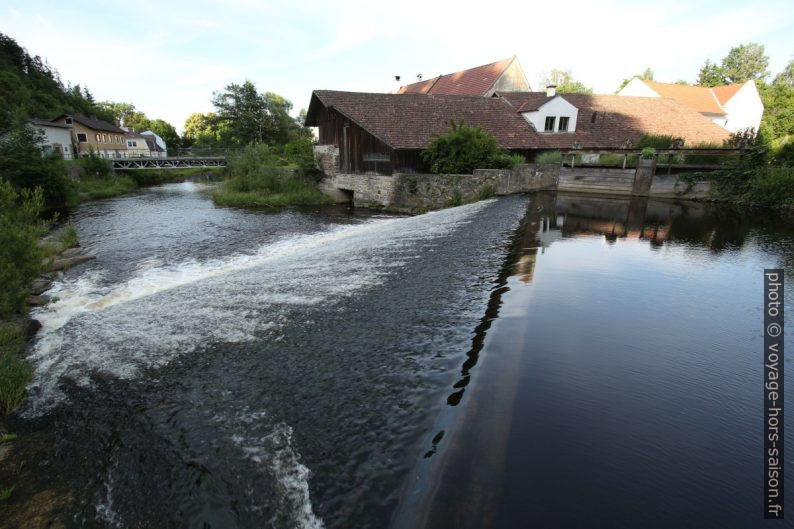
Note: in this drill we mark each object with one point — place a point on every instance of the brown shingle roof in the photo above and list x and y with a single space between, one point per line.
92 123
621 118
472 82
410 121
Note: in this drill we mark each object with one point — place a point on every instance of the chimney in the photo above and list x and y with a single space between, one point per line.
397 78
419 77
551 90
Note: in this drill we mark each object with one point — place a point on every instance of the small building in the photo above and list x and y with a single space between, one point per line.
138 145
484 81
92 135
733 107
57 138
156 144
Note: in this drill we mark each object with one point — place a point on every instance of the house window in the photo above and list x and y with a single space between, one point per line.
549 127
81 137
68 121
132 144
104 138
563 124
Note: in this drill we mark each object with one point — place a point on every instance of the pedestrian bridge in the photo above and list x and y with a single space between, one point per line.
179 162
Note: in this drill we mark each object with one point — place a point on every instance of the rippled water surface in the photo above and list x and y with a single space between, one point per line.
542 361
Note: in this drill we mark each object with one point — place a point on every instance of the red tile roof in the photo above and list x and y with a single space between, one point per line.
410 121
725 92
699 98
472 82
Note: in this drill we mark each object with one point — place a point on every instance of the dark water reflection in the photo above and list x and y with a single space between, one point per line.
616 378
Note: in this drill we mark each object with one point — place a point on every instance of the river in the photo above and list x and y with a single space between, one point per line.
528 361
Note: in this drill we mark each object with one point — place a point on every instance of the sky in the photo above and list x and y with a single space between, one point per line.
168 57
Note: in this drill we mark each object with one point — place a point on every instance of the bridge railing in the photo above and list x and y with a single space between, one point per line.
683 158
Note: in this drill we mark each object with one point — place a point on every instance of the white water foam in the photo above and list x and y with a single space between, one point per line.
165 311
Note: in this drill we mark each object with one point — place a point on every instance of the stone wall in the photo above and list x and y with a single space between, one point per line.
599 180
412 193
670 186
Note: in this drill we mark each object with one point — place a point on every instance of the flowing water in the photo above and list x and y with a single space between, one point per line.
488 365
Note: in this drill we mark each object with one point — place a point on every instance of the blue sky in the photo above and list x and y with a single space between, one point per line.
168 57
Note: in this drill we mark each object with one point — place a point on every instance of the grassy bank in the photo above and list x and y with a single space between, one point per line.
258 177
96 187
15 372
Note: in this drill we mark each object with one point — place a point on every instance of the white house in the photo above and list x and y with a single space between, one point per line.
137 146
57 138
554 114
733 107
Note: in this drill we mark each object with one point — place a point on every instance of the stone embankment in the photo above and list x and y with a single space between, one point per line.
66 256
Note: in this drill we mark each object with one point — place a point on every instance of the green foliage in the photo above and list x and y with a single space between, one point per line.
256 178
95 166
20 255
8 437
6 492
15 372
464 149
784 154
778 119
770 186
486 191
786 77
22 163
30 88
549 157
251 117
743 63
454 200
92 188
166 131
68 237
660 141
565 83
648 153
300 152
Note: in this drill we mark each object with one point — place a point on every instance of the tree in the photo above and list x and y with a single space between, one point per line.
647 75
22 164
166 131
565 83
245 116
710 75
204 130
746 62
743 63
786 77
464 149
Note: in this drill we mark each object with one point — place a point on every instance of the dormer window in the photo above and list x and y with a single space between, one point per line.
549 126
68 121
563 124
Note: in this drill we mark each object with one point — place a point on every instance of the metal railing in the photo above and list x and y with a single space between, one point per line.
684 158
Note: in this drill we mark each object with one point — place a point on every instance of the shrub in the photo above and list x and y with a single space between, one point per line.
660 141
20 255
549 157
770 186
300 152
464 149
95 166
15 372
22 164
648 153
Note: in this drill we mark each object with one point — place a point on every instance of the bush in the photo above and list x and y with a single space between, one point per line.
15 372
660 141
549 157
771 186
22 164
254 178
300 152
648 153
20 255
95 166
784 155
464 149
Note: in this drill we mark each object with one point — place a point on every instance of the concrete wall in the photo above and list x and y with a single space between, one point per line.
605 181
413 193
608 181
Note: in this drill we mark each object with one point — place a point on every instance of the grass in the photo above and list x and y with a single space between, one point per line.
15 372
93 188
549 157
266 185
8 437
6 492
68 237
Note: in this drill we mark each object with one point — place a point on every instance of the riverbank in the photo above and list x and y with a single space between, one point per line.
123 182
